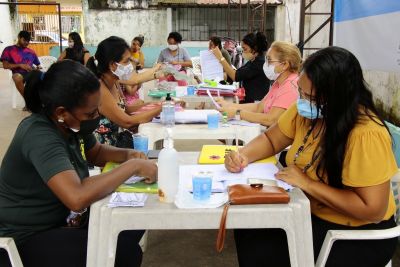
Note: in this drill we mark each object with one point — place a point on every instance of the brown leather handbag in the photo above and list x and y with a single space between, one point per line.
241 194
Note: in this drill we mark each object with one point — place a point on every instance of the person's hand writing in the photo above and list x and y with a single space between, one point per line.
294 176
235 162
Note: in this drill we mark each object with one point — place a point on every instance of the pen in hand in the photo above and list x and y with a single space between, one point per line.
237 149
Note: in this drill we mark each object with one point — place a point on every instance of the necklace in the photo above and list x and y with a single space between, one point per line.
304 147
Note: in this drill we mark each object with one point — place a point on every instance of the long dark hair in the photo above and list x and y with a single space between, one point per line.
76 52
344 99
256 41
67 83
108 51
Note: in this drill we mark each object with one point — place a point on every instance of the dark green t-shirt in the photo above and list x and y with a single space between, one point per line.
37 152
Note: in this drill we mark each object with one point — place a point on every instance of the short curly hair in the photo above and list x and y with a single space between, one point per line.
176 36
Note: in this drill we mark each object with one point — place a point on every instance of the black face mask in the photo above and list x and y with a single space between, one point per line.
88 126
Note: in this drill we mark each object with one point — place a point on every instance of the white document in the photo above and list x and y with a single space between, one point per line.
193 115
211 68
133 179
213 100
122 199
220 174
243 123
184 200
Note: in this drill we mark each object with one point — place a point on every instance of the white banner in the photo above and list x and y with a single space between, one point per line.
370 29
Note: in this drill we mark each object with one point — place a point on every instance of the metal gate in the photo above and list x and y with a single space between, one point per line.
42 20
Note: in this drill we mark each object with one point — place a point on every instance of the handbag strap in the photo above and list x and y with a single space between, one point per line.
222 229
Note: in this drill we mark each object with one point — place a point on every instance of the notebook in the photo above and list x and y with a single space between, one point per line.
215 154
139 187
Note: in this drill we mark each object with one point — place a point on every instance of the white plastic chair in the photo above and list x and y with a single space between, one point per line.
47 61
334 235
8 244
196 66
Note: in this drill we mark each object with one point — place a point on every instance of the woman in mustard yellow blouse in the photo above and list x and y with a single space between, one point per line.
340 156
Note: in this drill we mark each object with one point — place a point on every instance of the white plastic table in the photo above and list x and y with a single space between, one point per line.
106 223
156 132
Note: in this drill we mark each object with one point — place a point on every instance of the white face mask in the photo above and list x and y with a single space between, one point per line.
123 72
172 47
269 71
70 44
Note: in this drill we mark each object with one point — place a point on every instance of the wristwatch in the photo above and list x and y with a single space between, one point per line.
237 115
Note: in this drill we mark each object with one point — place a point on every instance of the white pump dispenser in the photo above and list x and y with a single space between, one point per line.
168 170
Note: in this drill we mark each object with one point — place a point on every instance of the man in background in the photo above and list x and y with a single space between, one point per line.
20 59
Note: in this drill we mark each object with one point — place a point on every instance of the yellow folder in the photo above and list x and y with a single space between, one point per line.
215 154
139 187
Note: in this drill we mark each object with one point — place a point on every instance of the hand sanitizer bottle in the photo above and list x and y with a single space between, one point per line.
168 170
168 112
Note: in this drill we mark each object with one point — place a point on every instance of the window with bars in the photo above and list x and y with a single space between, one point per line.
71 24
199 23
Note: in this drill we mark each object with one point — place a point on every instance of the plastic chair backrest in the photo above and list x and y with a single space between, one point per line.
196 66
47 61
395 132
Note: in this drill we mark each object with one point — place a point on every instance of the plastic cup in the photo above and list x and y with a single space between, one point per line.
202 182
212 120
190 90
141 143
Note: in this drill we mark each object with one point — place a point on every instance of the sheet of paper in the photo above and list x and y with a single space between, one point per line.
213 100
133 179
121 199
194 115
243 123
211 68
220 174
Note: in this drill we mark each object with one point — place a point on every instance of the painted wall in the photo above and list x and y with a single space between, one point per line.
385 86
100 24
7 34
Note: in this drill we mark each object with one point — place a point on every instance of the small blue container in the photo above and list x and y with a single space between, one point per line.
141 143
213 120
190 90
202 186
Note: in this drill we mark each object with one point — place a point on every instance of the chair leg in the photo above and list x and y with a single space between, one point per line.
143 241
9 245
14 96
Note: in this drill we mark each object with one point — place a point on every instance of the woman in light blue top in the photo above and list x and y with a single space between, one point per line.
174 54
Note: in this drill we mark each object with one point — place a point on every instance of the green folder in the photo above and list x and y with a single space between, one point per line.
139 187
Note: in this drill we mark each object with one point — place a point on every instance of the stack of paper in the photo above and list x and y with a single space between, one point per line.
194 115
121 199
184 200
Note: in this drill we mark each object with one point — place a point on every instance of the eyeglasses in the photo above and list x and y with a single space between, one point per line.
273 61
301 92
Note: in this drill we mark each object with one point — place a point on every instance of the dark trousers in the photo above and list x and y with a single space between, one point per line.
268 247
68 246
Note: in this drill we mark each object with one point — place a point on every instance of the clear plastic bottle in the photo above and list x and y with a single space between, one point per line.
168 112
168 170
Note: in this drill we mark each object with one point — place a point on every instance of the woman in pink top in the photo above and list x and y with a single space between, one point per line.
282 64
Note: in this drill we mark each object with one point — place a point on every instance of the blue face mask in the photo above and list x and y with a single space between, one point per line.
307 110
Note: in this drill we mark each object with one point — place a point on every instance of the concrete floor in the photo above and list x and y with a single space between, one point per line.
165 248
